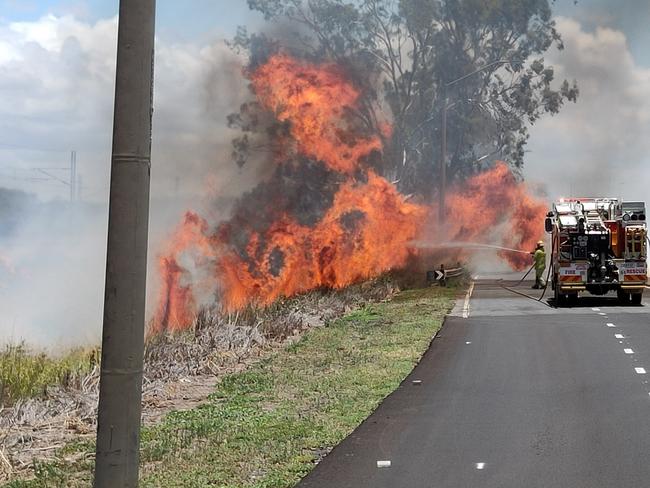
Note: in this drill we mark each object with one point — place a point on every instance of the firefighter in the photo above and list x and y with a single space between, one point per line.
540 265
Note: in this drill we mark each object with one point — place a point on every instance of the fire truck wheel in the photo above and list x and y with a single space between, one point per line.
559 298
623 297
636 298
573 299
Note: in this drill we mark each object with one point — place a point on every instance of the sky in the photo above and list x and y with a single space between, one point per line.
57 68
57 57
598 146
190 19
57 76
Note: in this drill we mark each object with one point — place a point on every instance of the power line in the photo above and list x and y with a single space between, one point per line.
73 180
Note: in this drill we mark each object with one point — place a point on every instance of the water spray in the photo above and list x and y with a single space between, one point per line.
464 245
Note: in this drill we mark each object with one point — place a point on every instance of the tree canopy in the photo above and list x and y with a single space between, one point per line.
482 59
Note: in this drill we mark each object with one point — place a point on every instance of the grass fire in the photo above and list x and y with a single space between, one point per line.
326 217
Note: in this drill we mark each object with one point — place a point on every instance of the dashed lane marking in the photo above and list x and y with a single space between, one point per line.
619 336
639 370
480 465
609 324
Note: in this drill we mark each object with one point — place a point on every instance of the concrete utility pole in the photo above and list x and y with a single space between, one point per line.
120 394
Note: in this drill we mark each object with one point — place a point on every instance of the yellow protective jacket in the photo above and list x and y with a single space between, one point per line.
540 259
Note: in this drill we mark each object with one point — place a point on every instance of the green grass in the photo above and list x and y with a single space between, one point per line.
264 427
25 374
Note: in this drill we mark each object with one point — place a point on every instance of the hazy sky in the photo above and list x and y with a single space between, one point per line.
57 75
57 68
600 145
57 65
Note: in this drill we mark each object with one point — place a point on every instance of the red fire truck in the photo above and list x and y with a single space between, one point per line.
598 246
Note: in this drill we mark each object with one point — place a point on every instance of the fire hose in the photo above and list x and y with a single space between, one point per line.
527 273
548 274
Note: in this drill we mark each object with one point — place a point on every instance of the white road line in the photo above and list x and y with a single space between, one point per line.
468 342
602 313
383 464
596 309
628 351
619 336
467 297
480 465
609 324
639 370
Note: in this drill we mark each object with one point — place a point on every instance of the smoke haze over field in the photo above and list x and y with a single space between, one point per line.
50 268
58 75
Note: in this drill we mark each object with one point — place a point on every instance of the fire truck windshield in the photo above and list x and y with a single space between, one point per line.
568 220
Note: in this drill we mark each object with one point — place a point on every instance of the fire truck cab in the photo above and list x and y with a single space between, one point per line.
598 246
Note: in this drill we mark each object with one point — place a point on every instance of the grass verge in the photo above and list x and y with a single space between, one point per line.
266 426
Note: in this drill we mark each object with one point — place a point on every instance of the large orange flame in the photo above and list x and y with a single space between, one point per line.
365 232
315 100
494 202
176 304
326 219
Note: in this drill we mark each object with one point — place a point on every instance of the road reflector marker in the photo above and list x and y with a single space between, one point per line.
619 336
480 465
417 382
628 351
383 464
609 324
639 370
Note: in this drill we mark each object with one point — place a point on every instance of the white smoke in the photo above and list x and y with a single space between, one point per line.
57 80
598 146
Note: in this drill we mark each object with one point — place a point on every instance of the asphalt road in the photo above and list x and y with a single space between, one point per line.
514 393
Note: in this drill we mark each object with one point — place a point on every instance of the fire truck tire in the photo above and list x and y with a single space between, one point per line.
636 298
560 300
573 299
623 297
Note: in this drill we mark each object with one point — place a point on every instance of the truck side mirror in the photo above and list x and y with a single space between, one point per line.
548 225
